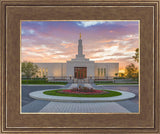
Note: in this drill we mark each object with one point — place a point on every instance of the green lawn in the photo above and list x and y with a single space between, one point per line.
55 93
115 83
42 82
111 83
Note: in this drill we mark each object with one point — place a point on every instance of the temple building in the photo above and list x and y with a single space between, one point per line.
78 68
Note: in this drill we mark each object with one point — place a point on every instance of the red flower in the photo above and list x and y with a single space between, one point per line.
93 91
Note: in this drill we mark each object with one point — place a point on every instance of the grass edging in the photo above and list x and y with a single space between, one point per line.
42 82
55 93
116 84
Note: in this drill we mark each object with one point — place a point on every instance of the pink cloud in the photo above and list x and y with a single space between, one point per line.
58 43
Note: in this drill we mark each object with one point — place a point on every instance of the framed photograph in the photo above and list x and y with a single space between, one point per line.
97 73
80 66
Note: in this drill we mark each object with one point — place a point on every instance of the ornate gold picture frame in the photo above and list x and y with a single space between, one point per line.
13 11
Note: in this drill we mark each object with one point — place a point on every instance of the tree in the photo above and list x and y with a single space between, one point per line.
136 56
29 69
116 74
131 71
121 75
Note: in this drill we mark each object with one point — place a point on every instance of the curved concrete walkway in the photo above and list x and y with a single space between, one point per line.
42 106
40 96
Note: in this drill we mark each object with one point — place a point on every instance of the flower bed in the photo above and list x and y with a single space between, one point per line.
79 91
82 92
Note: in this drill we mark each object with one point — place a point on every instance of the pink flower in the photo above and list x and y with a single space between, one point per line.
94 91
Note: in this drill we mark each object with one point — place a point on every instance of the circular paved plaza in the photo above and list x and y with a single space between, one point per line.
30 105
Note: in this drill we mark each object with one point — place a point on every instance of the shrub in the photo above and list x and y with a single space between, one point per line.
83 89
119 78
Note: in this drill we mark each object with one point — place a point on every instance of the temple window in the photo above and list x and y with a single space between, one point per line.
98 71
101 71
46 72
104 71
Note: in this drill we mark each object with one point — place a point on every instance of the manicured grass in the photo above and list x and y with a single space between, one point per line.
41 82
103 82
55 93
111 83
116 83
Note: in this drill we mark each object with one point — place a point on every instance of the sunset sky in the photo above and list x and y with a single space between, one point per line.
57 41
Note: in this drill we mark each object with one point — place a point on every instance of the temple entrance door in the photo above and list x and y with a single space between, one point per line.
80 72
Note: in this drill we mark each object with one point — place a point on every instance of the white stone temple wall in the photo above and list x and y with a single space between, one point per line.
72 64
57 70
66 70
106 70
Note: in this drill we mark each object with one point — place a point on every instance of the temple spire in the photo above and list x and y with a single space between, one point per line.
80 47
80 54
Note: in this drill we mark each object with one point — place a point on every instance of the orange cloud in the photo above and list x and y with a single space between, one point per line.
57 41
67 45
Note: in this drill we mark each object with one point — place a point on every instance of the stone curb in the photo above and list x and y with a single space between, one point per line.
40 85
117 85
40 96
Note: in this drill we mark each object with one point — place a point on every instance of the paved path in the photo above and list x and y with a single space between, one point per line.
34 106
130 88
39 95
26 89
111 107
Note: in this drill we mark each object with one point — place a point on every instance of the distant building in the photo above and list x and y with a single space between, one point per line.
78 68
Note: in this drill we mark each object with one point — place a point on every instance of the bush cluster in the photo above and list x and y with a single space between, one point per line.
119 78
41 82
83 89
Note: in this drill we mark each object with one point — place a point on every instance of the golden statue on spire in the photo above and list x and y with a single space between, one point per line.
80 35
